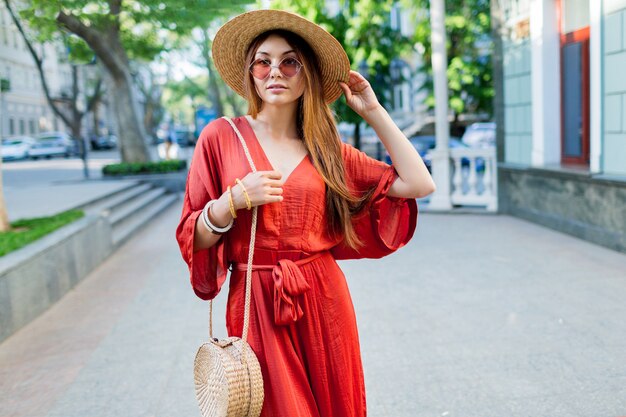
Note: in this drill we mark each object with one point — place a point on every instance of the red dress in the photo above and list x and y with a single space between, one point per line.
302 322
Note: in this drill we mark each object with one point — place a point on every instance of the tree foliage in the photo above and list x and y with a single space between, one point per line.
468 41
116 32
145 26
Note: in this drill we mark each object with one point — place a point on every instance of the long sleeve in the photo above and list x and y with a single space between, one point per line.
207 267
386 223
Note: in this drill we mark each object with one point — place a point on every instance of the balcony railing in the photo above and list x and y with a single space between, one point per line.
473 176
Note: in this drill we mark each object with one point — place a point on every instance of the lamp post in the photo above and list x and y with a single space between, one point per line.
441 154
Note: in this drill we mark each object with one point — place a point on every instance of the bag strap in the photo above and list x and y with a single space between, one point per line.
246 314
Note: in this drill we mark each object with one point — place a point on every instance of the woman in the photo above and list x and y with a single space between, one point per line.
319 200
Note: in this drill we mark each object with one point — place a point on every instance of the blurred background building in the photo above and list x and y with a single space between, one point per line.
24 109
562 159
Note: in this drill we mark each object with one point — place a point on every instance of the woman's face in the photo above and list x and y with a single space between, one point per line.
278 88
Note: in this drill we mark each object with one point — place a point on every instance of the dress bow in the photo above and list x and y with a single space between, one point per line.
289 284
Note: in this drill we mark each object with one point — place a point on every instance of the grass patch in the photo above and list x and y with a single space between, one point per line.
25 231
137 168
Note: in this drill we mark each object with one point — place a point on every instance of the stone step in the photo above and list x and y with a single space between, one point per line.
151 206
117 200
89 206
132 207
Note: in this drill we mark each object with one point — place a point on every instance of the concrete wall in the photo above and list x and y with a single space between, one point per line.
614 152
517 101
573 203
36 276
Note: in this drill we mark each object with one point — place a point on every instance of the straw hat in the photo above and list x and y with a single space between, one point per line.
233 38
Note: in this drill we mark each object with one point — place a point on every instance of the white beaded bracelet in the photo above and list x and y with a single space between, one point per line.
210 226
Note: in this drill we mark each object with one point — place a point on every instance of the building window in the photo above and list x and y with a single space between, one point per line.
11 126
22 127
31 126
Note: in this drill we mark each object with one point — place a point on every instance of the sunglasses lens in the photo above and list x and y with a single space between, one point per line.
260 69
289 67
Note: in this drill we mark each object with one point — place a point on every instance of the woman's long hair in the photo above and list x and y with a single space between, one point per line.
316 125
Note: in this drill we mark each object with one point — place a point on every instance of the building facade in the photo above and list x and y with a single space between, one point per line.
563 109
24 109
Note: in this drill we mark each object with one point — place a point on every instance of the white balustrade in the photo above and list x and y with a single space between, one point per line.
474 181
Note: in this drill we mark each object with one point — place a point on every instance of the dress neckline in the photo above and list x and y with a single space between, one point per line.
264 155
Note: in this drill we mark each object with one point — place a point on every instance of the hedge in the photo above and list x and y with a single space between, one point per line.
134 168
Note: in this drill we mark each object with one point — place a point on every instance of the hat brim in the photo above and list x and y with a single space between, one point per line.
234 37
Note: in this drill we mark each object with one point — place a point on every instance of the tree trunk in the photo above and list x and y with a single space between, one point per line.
130 132
216 98
107 45
456 127
214 91
96 125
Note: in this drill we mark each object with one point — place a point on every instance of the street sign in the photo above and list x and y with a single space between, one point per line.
204 116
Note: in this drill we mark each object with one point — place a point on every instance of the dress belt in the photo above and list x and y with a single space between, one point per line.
289 284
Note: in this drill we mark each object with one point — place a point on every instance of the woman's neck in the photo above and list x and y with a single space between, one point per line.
279 122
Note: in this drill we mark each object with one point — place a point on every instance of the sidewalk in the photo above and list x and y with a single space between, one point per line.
485 316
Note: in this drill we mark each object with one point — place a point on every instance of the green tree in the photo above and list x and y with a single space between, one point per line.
219 95
65 107
363 29
469 47
118 31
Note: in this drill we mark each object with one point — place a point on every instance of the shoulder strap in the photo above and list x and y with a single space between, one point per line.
246 314
243 142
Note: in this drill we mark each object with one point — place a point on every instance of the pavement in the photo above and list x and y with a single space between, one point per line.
480 315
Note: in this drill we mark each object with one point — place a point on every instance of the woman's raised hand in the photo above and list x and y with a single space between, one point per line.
359 94
263 187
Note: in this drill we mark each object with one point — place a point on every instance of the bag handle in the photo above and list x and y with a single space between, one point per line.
246 314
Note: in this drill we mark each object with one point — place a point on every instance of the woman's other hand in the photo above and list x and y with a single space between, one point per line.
359 94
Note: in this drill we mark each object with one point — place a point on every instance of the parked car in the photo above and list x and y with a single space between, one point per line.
185 137
425 144
480 135
103 141
181 137
16 148
53 144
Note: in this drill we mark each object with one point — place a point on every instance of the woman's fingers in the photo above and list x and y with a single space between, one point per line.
271 174
346 90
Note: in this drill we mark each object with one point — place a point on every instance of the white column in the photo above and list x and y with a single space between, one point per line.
440 200
546 83
595 86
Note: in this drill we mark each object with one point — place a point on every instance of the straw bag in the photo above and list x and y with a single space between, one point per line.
227 373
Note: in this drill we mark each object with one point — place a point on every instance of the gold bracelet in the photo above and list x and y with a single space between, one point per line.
245 193
231 204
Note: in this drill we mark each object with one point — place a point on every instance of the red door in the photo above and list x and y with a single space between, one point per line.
574 84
